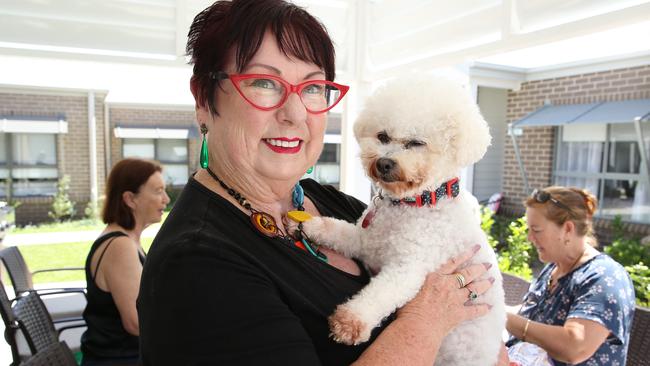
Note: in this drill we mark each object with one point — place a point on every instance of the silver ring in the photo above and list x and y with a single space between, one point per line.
461 280
472 294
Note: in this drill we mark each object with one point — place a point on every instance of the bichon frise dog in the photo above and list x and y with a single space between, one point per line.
416 134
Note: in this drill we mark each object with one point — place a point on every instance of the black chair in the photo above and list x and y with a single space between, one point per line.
56 354
29 315
515 289
21 277
638 352
11 324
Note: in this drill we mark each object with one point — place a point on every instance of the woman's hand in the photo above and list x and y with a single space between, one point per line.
440 303
503 359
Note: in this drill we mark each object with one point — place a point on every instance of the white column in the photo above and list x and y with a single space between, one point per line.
353 179
467 175
92 144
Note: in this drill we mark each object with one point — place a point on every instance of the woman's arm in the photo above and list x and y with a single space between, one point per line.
415 336
573 343
121 271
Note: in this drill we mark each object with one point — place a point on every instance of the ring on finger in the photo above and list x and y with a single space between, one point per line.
461 280
472 296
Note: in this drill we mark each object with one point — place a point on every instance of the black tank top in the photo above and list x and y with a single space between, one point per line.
105 336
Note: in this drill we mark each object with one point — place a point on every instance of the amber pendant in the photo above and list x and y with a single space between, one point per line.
265 224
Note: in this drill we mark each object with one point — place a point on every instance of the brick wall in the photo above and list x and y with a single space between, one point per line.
537 143
72 147
153 117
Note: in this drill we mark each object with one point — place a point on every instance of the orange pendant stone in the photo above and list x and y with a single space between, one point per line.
265 224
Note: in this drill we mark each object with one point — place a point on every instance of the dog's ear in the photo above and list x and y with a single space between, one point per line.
472 137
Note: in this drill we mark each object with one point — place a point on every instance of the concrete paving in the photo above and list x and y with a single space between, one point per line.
12 239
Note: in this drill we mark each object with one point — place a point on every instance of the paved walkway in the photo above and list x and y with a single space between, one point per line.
63 237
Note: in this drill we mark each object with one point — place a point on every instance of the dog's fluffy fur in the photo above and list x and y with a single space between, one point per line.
430 128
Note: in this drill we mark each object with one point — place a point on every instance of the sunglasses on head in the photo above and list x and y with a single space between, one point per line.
541 196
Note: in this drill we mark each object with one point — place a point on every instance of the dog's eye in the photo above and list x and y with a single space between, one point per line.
383 137
414 143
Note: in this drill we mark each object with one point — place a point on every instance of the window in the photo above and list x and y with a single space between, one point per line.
327 169
608 164
28 164
171 153
140 148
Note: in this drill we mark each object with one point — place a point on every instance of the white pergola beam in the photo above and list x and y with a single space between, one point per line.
181 30
599 23
511 24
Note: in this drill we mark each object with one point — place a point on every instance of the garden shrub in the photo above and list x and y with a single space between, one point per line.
624 249
514 252
62 206
640 274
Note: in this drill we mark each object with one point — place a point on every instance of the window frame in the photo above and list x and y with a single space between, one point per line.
186 162
11 166
601 176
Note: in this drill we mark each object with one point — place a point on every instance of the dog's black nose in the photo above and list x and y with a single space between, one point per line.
385 165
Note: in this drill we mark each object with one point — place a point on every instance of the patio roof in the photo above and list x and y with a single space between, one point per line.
624 111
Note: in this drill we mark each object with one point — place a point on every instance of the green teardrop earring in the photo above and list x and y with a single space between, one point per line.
204 148
310 170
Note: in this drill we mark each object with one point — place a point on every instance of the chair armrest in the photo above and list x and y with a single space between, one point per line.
68 327
61 290
58 269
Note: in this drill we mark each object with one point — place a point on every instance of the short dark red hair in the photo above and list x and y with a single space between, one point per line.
240 25
128 175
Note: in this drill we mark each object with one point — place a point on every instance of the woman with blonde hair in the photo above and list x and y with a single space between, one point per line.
580 308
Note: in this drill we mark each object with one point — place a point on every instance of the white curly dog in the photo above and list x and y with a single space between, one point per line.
416 134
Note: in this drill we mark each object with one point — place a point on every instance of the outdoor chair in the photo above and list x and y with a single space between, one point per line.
27 313
56 354
21 277
638 353
10 322
515 289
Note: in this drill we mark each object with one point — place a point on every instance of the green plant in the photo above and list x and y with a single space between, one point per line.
93 209
626 250
509 239
517 255
173 192
62 206
487 224
640 274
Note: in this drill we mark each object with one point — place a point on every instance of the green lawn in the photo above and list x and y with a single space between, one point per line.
59 256
76 225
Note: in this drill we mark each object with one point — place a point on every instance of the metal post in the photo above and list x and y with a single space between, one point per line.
644 155
522 169
92 144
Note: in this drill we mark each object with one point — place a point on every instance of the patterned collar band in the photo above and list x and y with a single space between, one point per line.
449 189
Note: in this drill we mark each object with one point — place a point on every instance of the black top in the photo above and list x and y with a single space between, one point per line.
105 336
215 291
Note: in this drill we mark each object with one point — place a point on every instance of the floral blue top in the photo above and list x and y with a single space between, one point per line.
599 290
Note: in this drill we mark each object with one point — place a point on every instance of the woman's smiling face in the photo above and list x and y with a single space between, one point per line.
279 144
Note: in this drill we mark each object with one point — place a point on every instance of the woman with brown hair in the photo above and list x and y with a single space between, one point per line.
135 198
580 308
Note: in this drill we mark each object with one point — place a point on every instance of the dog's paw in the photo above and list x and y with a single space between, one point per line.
313 226
291 226
347 328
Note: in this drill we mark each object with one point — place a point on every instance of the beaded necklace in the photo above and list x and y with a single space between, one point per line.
265 223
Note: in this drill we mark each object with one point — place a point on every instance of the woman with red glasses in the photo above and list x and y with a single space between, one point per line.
580 308
224 282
